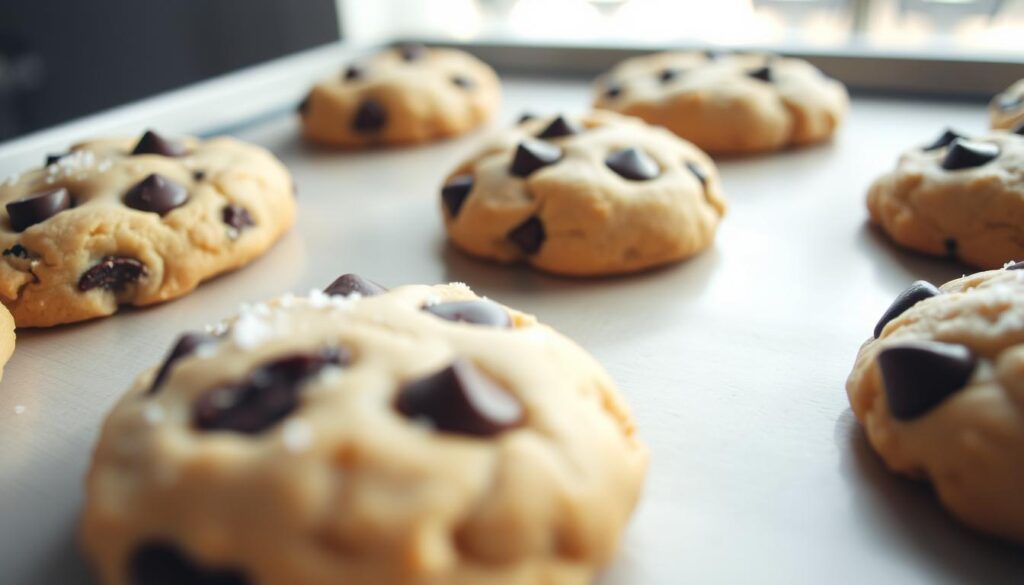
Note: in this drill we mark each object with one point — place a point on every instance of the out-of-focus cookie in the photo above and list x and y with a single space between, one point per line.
405 95
6 338
940 392
727 103
135 222
419 436
957 196
594 194
1006 110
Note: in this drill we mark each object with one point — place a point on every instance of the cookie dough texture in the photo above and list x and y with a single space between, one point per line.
971 445
592 220
402 97
975 214
6 338
239 202
727 104
1006 110
347 489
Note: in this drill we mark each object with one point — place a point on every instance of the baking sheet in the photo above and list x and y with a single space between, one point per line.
734 362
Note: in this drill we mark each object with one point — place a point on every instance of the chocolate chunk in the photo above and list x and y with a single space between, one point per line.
526 117
18 251
160 563
461 399
558 128
917 292
266 396
668 74
37 208
951 247
455 192
153 143
1009 103
198 176
370 117
1014 266
347 284
698 172
529 235
353 72
633 164
965 154
463 82
612 90
412 51
944 140
533 155
477 312
918 376
236 216
184 347
112 273
54 158
156 194
303 106
762 73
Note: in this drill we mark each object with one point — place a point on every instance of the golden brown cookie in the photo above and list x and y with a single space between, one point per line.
406 95
727 104
135 222
940 392
6 338
421 436
584 195
1006 110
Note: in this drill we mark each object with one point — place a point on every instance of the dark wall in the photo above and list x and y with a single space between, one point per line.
62 59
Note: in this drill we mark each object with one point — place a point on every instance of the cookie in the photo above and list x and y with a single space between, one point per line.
135 222
6 338
1006 110
421 435
584 195
957 196
727 103
940 392
405 95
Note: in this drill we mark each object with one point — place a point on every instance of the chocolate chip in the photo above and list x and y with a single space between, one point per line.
370 117
347 284
236 216
53 158
558 128
303 106
477 312
461 399
965 154
266 396
18 251
455 192
37 208
153 143
533 155
698 172
612 90
1014 266
668 74
918 376
412 51
156 194
160 563
463 82
762 73
948 136
183 347
1008 103
354 72
112 273
951 247
633 164
529 235
198 176
917 292
526 117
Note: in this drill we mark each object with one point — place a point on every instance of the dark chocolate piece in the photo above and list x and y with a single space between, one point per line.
558 128
532 155
237 216
185 346
529 235
347 284
455 192
353 72
160 563
112 273
916 293
918 376
948 136
153 143
37 208
698 172
156 194
762 73
477 312
463 82
966 154
633 164
370 117
412 51
18 251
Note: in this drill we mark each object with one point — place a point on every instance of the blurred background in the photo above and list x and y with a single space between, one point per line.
62 59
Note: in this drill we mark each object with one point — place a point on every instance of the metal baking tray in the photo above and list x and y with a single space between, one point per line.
734 362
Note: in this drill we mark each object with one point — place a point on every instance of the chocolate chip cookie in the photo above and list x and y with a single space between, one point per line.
584 195
6 338
1006 110
727 103
405 95
135 222
940 392
421 435
956 196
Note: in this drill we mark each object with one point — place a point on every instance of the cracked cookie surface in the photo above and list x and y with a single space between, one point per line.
594 194
727 103
406 95
417 436
958 196
135 222
940 392
1006 110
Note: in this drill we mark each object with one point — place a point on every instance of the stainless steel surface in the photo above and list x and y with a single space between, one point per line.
734 362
